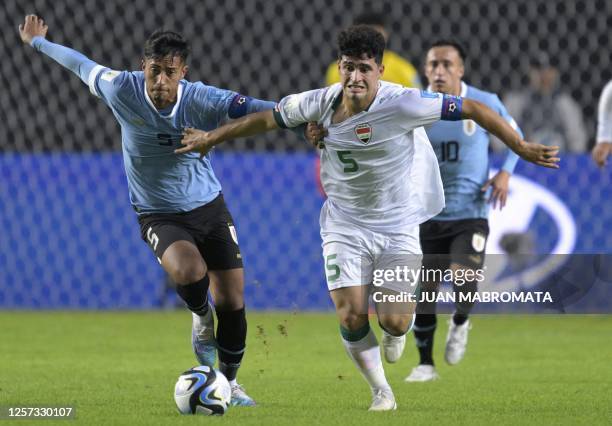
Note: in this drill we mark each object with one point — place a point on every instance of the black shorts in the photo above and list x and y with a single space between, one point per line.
454 241
209 227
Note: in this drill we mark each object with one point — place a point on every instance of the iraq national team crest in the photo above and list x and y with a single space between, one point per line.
364 132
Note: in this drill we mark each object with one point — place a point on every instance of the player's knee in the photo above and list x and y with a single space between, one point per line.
229 301
352 320
396 324
187 272
228 289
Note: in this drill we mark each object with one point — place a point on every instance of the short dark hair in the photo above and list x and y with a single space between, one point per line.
163 43
370 18
452 43
541 60
359 40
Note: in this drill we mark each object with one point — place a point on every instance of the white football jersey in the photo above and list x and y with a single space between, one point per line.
378 167
604 115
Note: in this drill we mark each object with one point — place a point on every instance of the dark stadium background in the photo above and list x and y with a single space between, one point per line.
271 48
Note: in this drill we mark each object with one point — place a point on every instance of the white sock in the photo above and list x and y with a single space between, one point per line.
365 354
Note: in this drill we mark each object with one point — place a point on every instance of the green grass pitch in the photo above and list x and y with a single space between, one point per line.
120 368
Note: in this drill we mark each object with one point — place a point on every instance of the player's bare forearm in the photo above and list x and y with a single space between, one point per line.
249 125
492 122
541 155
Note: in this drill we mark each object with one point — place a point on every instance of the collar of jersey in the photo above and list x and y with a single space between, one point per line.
179 95
464 89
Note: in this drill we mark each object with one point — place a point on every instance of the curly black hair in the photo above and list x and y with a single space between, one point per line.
163 43
359 40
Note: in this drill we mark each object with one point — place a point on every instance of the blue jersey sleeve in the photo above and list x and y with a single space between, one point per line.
102 81
105 83
69 58
242 105
512 158
232 105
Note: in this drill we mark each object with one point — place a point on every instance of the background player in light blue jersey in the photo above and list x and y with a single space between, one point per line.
178 198
456 237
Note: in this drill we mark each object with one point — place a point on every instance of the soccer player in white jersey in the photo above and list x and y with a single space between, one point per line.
603 148
382 180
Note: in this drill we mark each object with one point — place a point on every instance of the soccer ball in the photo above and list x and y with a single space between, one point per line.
202 390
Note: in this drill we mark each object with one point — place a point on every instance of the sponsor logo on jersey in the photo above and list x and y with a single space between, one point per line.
364 132
109 75
430 95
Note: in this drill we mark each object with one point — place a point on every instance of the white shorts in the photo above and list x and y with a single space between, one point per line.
355 256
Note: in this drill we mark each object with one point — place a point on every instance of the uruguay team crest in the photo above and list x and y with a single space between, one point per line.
469 127
364 132
478 242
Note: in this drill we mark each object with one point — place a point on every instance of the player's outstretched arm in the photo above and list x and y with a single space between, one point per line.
252 124
601 151
541 155
33 32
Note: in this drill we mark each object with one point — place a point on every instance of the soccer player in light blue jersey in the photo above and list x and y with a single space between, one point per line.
456 237
178 198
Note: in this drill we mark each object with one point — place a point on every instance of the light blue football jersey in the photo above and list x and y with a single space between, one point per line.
159 180
462 148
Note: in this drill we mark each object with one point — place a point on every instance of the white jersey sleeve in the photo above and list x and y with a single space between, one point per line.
300 108
604 115
418 108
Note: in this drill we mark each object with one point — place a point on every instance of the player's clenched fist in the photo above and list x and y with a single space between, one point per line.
314 133
33 26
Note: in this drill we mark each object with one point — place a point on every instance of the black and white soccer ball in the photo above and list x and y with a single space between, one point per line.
202 390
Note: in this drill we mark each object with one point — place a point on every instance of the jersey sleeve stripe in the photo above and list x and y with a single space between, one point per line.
278 118
91 80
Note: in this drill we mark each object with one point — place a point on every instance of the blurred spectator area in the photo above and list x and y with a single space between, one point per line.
270 48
